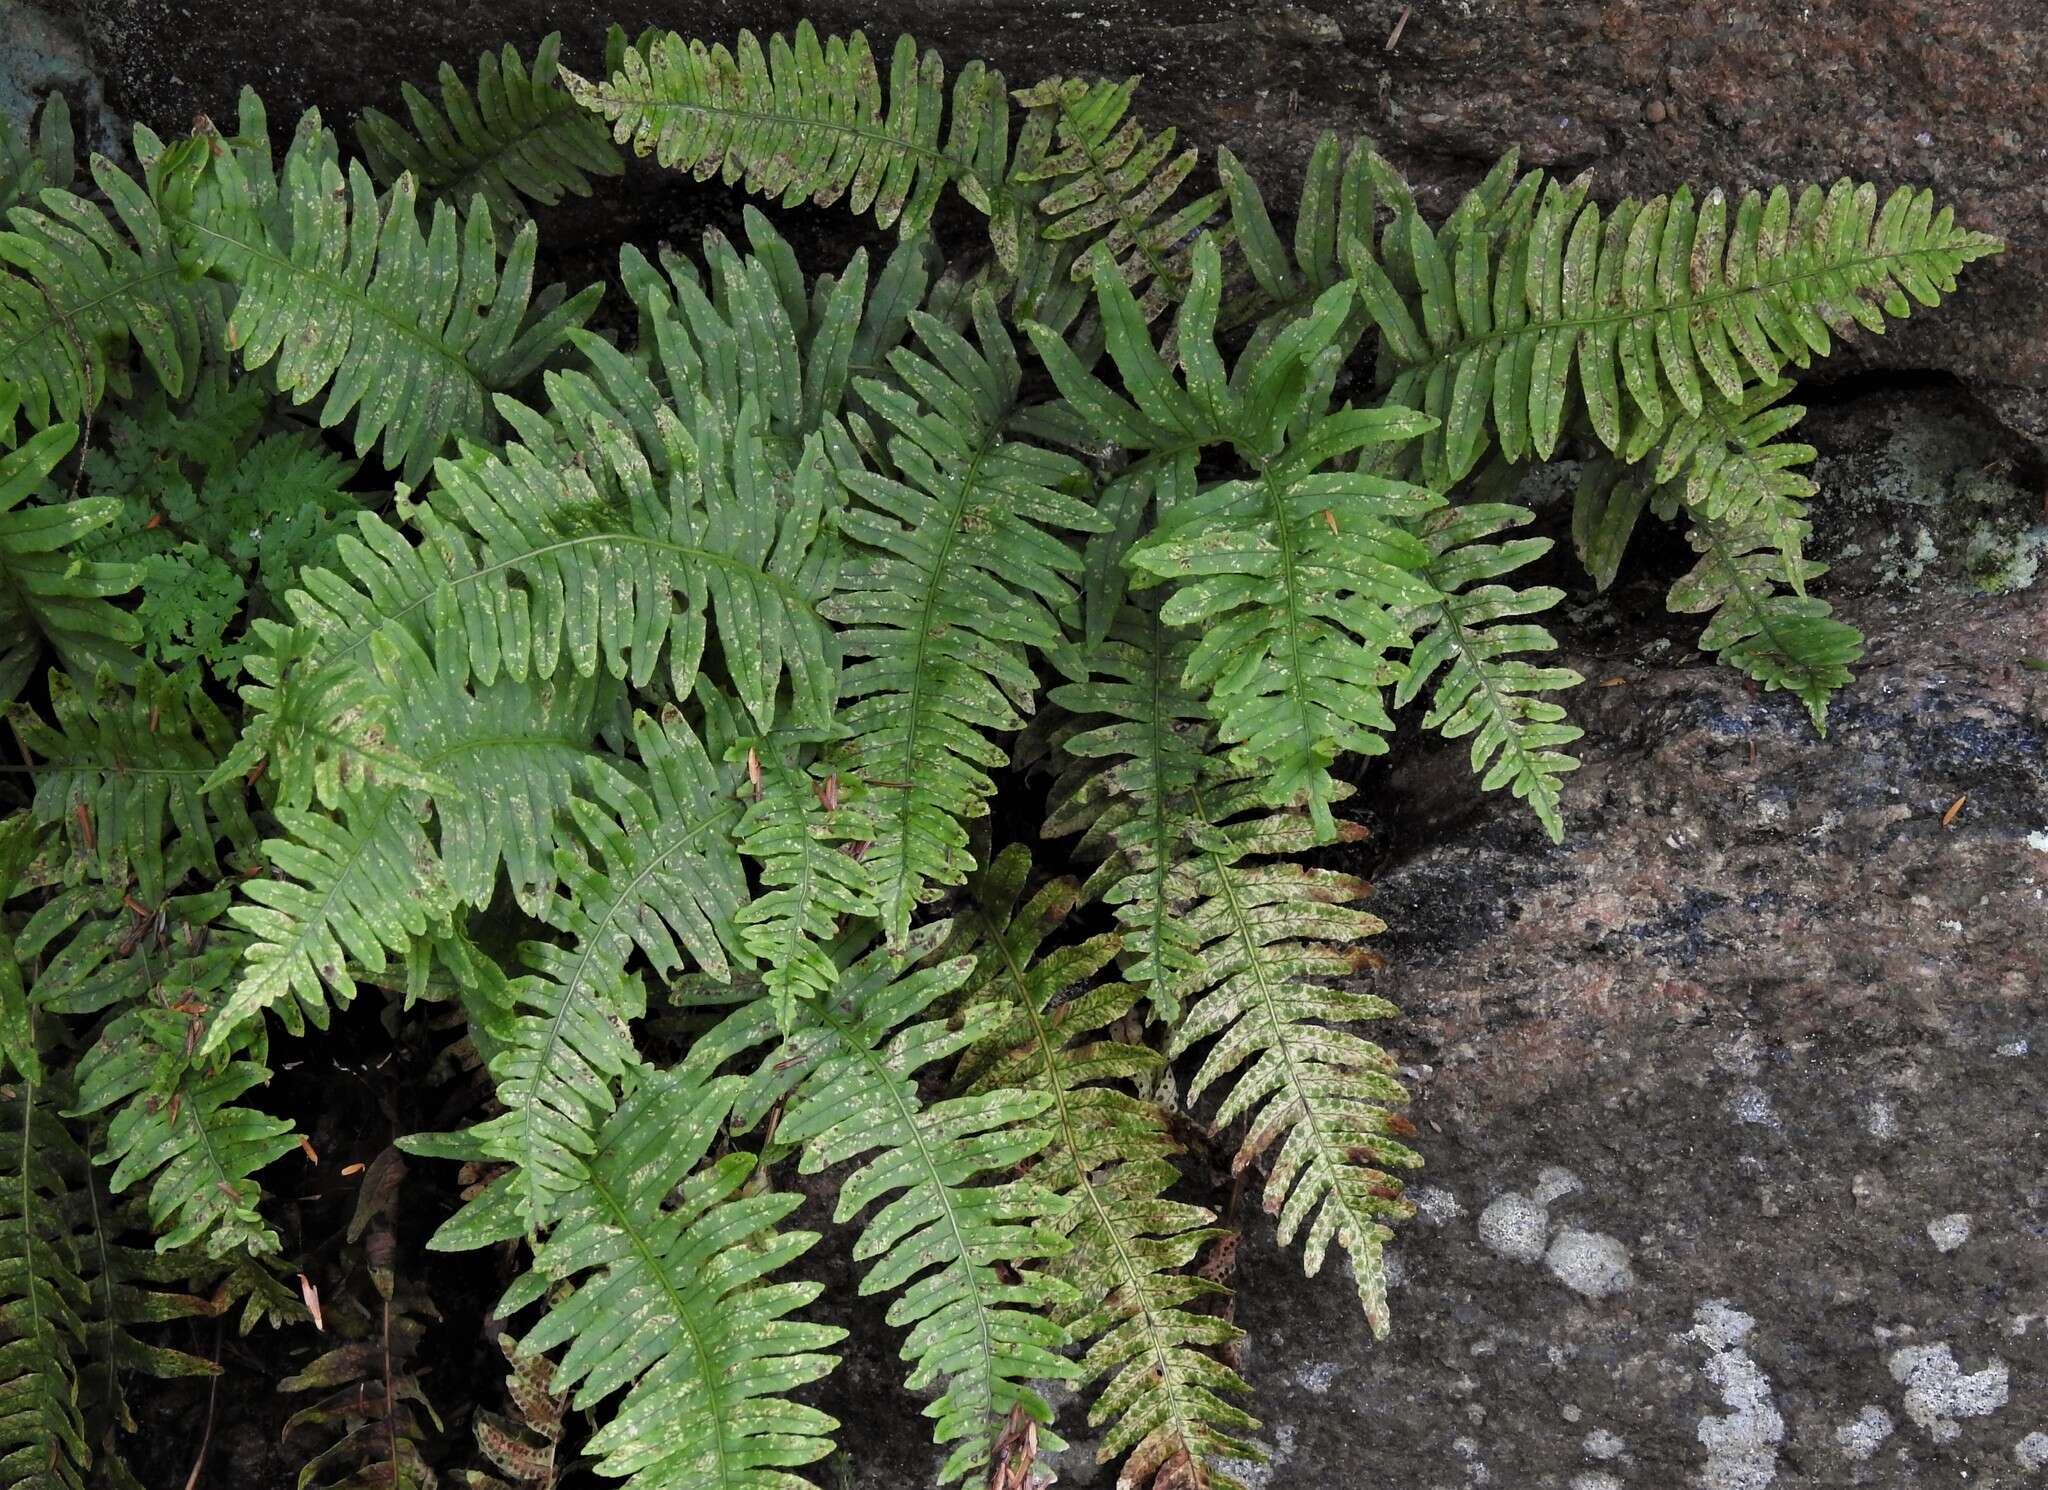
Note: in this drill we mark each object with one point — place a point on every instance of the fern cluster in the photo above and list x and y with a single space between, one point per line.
386 646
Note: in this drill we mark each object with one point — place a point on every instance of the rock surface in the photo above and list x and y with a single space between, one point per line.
1760 1052
1953 93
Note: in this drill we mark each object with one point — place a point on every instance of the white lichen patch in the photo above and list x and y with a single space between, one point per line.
1316 1376
1938 1391
1881 1119
1865 1435
1600 1444
1435 1204
1554 1183
1590 1263
1718 1325
2038 842
2032 1451
1752 1104
1514 1226
2012 1050
1595 1479
1741 1444
1949 1232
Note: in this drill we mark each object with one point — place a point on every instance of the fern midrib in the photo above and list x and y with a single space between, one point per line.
1532 771
1305 706
392 797
1133 1278
1753 604
59 317
713 1382
1688 304
39 1327
962 1257
1297 1091
902 889
1162 269
588 943
662 545
342 289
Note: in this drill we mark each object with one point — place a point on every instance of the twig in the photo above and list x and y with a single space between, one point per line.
212 1400
1394 36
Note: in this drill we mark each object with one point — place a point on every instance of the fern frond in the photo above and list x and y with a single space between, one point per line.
518 138
32 163
1783 641
808 828
959 1252
1268 933
1112 185
44 1303
657 1277
1162 1396
811 120
655 870
374 1414
358 884
1137 753
127 775
80 286
1654 303
1472 641
411 332
1336 206
187 1135
522 1446
1299 578
958 573
49 592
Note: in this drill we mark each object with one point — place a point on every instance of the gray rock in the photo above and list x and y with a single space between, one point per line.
1646 93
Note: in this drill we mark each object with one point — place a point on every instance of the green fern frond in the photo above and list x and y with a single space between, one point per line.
1654 303
518 138
411 332
1336 206
30 163
48 591
1112 185
743 330
19 840
1789 641
72 1296
188 1136
958 572
656 1275
44 1303
1472 640
1268 934
332 910
1727 465
1162 1395
958 1251
808 828
1300 577
80 285
655 870
811 120
127 775
1135 756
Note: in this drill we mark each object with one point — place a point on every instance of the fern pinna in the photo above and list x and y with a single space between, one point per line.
636 708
